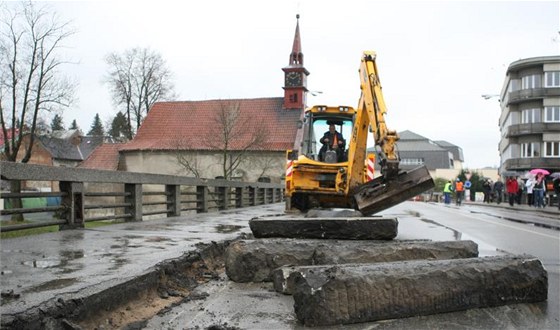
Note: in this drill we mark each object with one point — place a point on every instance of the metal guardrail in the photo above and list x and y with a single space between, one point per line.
93 195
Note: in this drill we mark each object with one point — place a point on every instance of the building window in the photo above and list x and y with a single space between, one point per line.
552 149
513 85
552 79
293 98
531 81
552 114
412 161
529 116
529 150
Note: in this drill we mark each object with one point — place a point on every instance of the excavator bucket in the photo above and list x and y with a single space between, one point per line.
379 194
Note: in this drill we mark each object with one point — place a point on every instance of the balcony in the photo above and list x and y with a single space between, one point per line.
533 128
532 94
525 164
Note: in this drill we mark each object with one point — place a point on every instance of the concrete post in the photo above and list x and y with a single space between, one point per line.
201 199
265 195
173 193
223 197
135 199
239 197
253 196
74 203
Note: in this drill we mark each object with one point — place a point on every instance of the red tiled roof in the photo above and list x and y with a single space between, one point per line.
104 157
186 125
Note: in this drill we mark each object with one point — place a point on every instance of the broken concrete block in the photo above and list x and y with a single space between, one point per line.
356 293
255 260
327 255
370 228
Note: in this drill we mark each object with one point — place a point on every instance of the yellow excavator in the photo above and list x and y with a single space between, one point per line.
333 176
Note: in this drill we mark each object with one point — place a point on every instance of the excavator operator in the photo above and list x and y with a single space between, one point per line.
332 141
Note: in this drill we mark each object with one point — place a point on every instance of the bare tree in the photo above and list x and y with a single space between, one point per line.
30 81
138 78
234 134
190 163
263 164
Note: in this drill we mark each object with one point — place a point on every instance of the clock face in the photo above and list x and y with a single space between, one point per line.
293 79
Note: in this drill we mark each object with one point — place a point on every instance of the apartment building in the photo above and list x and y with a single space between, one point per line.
530 116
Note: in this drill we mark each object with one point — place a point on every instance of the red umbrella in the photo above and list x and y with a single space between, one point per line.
539 171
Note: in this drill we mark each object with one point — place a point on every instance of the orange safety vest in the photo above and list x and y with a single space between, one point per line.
335 141
459 186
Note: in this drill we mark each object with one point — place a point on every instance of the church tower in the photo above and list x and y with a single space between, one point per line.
295 76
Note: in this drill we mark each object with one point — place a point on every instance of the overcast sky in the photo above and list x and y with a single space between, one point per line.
435 58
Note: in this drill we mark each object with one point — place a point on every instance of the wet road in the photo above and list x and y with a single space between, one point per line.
257 306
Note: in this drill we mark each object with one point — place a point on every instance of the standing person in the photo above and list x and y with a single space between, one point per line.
459 191
556 186
529 185
520 187
538 191
447 192
486 190
511 189
498 191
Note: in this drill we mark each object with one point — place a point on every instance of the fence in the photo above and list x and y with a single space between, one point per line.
92 195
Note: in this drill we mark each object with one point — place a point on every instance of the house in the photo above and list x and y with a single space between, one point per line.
415 150
59 148
105 157
442 158
188 137
530 116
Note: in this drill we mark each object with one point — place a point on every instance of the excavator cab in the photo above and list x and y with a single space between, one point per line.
318 126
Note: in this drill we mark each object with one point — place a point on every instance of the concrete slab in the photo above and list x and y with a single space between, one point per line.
364 228
255 260
346 294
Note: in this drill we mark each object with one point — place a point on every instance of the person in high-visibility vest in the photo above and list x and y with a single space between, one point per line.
459 191
447 189
332 140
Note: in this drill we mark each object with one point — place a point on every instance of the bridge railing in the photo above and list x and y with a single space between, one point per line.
85 195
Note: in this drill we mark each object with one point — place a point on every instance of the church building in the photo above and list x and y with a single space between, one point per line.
241 139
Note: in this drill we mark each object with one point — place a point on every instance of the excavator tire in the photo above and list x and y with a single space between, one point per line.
380 194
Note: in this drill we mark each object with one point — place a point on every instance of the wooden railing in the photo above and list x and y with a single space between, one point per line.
93 195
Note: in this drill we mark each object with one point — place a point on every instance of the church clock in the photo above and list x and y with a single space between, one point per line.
293 79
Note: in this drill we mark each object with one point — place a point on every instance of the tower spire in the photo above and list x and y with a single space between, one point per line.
295 76
296 57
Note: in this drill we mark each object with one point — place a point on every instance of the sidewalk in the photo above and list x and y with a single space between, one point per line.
548 216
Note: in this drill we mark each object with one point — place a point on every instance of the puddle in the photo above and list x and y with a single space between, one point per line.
66 256
224 229
52 285
72 254
117 263
45 263
156 239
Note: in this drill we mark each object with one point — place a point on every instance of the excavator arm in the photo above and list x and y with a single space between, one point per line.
371 112
394 186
